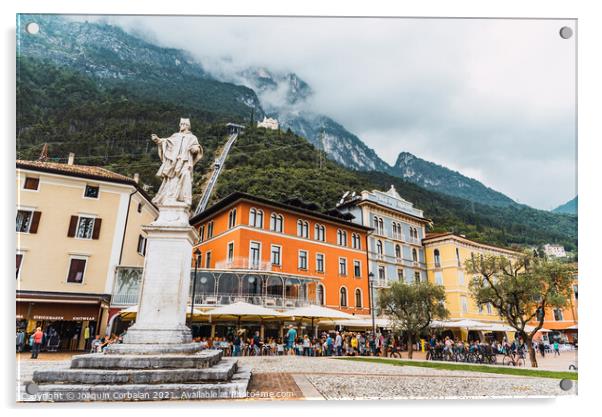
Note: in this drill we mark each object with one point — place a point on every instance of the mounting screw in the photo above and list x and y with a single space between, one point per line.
566 384
32 28
566 32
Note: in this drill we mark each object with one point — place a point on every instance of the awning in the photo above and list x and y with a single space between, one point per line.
57 311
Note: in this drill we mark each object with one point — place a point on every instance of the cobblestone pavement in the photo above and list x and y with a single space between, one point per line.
339 379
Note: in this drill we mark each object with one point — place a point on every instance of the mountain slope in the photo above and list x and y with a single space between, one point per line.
73 113
570 207
287 97
438 178
120 61
282 165
137 69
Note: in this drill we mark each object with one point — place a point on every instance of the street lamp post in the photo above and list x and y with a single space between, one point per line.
197 260
371 287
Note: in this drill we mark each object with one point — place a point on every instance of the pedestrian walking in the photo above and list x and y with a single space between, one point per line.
291 335
556 348
36 342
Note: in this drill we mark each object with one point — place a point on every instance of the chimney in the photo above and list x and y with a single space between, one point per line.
71 158
136 178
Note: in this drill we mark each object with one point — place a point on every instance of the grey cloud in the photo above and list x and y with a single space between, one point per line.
494 99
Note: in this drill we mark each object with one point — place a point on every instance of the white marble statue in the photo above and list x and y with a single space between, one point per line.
179 153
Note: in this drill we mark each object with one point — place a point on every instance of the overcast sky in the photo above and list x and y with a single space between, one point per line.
493 99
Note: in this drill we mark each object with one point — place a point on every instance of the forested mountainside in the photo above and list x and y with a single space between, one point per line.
110 127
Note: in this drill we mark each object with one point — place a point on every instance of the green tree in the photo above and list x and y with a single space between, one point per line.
412 307
521 290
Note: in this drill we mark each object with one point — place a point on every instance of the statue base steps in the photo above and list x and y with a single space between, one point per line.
144 377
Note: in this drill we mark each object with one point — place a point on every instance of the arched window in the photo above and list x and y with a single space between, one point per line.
394 229
398 251
276 221
320 295
343 297
252 217
414 255
228 285
302 229
437 259
342 237
381 227
259 222
358 298
319 232
356 241
232 219
252 284
274 286
379 247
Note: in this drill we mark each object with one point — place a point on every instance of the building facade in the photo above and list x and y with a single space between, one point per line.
280 255
75 225
269 123
554 251
395 251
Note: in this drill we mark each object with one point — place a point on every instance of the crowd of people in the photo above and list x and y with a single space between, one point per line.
334 343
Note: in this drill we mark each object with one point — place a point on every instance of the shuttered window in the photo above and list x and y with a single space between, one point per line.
84 227
28 221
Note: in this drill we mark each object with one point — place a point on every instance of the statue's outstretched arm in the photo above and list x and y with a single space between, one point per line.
157 139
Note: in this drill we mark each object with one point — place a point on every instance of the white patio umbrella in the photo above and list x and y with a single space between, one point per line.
453 324
314 312
244 310
366 323
529 328
318 312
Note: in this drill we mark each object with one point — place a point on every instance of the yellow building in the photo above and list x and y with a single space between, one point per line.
446 254
75 225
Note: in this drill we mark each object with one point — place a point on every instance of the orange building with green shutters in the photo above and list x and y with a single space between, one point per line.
280 255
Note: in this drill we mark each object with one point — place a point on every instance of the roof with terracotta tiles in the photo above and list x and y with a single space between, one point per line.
432 236
81 171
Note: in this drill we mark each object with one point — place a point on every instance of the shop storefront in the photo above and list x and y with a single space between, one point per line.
69 321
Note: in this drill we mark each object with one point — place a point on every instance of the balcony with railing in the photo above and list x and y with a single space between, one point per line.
216 287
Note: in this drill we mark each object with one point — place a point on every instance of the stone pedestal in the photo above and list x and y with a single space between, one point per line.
161 317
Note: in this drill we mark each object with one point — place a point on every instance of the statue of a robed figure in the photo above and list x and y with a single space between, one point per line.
164 294
178 153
